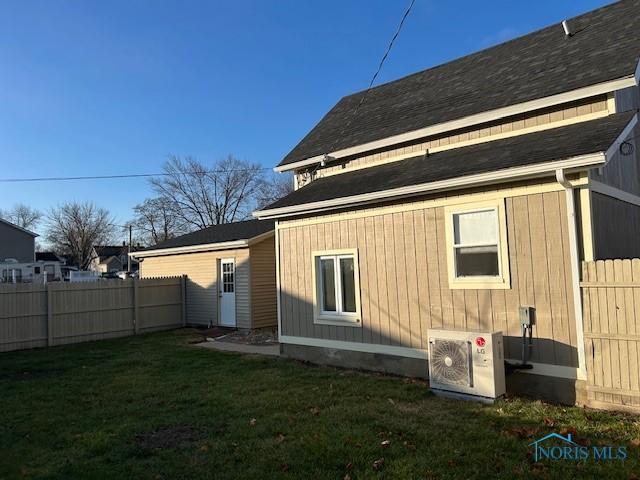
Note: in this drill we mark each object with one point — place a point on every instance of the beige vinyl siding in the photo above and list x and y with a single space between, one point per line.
202 277
404 277
616 228
538 118
263 284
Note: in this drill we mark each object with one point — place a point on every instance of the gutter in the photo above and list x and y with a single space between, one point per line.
574 259
499 176
205 247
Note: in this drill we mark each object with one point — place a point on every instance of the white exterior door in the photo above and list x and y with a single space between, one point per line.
227 292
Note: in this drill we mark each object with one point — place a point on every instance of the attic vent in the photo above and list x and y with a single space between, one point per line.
567 30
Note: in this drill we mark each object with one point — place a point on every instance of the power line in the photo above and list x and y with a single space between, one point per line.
375 75
131 175
393 39
163 174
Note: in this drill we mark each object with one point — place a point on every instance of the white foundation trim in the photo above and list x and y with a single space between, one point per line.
356 347
549 370
421 354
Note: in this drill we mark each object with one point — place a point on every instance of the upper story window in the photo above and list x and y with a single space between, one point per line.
477 253
336 287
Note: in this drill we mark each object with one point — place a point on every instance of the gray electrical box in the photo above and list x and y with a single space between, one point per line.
526 315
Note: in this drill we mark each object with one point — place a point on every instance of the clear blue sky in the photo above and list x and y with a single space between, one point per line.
113 87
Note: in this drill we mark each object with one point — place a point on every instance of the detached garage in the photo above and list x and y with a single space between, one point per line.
230 269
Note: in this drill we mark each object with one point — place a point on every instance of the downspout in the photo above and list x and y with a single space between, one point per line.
575 269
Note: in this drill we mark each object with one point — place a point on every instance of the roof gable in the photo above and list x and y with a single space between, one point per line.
606 47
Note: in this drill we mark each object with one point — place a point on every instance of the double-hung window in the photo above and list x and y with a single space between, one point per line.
477 246
337 289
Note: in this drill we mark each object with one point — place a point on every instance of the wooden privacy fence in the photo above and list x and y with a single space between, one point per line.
59 313
611 303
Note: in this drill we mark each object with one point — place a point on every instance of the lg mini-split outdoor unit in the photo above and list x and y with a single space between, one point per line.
467 364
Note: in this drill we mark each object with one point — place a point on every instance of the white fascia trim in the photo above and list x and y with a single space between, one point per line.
628 130
356 347
478 118
613 192
499 176
419 353
261 237
207 247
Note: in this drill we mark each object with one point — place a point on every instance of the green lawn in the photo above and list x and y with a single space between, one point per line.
156 407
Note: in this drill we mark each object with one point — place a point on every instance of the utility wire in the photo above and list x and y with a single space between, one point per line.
132 175
163 174
146 175
386 53
373 78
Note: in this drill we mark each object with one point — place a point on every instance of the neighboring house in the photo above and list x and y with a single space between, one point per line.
16 242
230 272
112 258
451 197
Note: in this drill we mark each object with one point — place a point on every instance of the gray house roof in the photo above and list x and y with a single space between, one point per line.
605 46
524 150
227 232
6 222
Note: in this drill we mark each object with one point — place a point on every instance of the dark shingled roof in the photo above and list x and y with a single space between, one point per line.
48 257
227 232
105 251
606 46
545 146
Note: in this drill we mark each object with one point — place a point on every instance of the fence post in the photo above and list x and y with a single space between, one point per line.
183 291
136 310
49 315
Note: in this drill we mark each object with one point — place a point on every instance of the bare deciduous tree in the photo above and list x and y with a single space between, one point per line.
273 188
156 220
22 216
74 228
210 195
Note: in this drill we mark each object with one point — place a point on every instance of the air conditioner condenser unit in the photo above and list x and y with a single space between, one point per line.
466 364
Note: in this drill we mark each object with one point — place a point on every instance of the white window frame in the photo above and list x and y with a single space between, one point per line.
503 279
320 317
